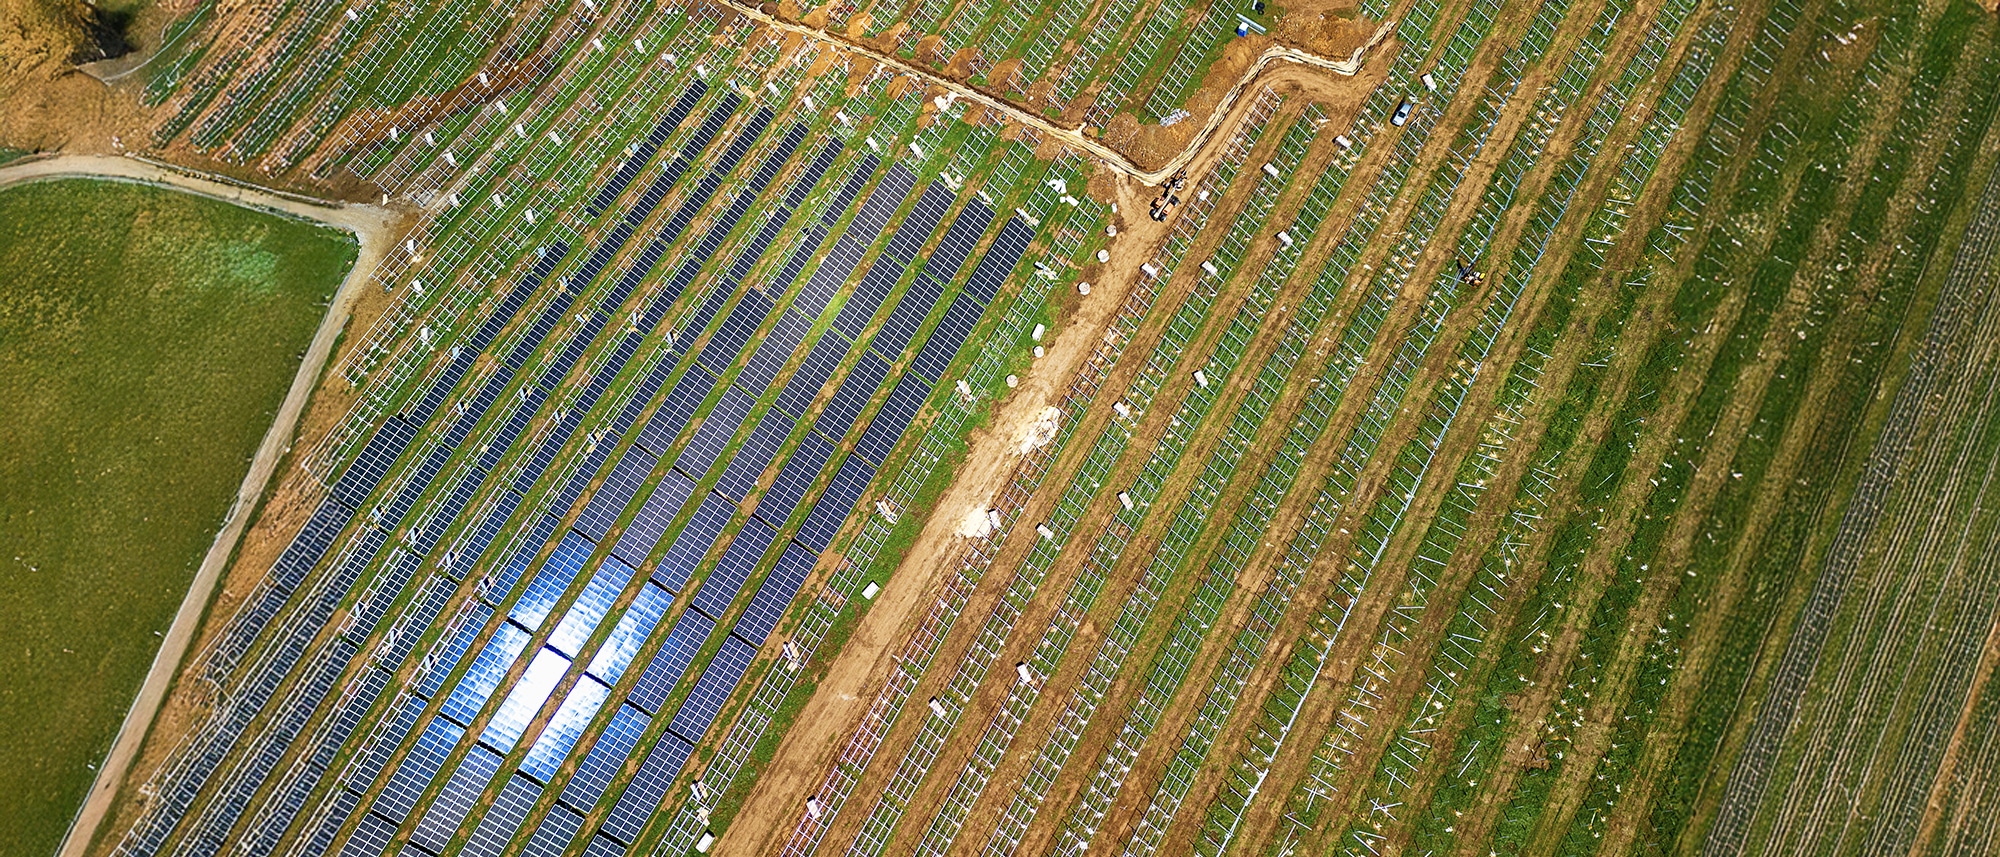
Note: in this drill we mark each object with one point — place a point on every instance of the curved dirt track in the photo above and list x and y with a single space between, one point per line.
1073 137
376 228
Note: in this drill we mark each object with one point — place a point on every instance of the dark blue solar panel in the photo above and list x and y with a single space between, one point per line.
488 668
674 414
580 621
630 633
399 720
719 589
836 503
604 846
794 479
772 352
460 792
648 789
729 340
616 492
655 138
853 243
636 543
447 652
867 297
718 680
718 297
565 726
916 228
551 581
553 834
416 770
819 365
845 407
937 351
886 428
903 322
1001 257
747 465
717 428
606 757
496 831
670 663
370 838
693 542
775 593
959 240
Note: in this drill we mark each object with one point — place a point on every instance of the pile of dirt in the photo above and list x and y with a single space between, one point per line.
48 103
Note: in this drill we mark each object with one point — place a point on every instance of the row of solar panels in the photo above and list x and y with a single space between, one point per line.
369 470
734 568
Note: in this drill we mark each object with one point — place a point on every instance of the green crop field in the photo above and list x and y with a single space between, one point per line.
146 340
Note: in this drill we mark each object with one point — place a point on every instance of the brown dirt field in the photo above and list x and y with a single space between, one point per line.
1314 591
1110 598
1326 27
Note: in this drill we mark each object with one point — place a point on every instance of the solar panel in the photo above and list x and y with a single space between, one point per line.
867 297
522 703
449 650
693 542
794 479
746 467
718 680
774 594
551 581
648 788
727 344
718 297
670 663
604 846
460 792
623 175
916 228
719 589
848 249
416 770
774 351
1001 257
717 428
580 621
886 428
959 239
370 838
847 403
496 831
606 757
630 633
567 725
396 725
903 322
643 533
836 503
483 677
819 365
553 834
674 413
937 351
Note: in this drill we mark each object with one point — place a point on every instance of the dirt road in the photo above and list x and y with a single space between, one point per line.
377 229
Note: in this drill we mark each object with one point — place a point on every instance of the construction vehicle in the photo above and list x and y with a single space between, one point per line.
1468 276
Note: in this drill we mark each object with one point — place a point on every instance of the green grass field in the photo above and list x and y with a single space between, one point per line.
146 340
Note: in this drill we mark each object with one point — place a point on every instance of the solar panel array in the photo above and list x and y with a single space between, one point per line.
513 673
